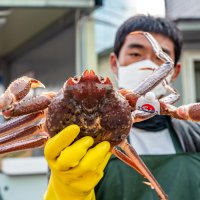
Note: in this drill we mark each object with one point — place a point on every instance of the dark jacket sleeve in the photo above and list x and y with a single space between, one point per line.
188 133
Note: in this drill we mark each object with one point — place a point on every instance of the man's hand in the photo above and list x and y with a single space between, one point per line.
75 170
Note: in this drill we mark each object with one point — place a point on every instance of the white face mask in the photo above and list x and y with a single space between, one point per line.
131 75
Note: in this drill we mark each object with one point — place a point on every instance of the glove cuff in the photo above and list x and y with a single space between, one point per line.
59 191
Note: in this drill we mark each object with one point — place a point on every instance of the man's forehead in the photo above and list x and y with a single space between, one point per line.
139 38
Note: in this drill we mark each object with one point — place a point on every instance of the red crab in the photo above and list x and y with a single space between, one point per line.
91 102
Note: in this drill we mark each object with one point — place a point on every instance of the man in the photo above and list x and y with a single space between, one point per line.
132 52
161 139
76 169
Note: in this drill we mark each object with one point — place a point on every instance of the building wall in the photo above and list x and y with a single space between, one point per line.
52 62
182 9
187 16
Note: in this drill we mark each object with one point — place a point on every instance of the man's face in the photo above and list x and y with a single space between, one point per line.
136 48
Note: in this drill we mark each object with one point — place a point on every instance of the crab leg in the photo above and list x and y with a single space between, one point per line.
159 74
147 84
138 115
136 163
25 132
156 47
13 135
170 99
19 122
123 157
168 87
184 112
25 144
165 83
190 112
130 96
30 105
17 90
154 79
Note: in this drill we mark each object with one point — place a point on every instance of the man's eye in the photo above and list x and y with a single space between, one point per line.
158 61
135 54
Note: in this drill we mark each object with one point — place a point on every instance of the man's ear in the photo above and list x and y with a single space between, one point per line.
177 70
113 62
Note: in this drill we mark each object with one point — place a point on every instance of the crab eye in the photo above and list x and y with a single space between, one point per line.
101 79
76 79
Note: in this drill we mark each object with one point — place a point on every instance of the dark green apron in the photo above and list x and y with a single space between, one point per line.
178 174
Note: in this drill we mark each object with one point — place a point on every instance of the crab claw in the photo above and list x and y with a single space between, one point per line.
17 90
35 83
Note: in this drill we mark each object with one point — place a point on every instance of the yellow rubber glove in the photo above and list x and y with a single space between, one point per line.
75 170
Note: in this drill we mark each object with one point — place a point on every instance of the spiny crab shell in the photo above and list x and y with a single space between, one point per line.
92 103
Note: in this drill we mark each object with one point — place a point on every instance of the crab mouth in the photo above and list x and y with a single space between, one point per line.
90 106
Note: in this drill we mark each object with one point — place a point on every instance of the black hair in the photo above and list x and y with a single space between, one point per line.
151 24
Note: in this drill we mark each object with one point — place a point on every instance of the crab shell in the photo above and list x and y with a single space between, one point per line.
92 103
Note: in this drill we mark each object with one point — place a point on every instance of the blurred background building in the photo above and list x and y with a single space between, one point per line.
52 40
187 16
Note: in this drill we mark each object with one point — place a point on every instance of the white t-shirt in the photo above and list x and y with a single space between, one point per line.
151 143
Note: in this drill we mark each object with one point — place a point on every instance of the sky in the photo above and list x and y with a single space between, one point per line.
153 7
